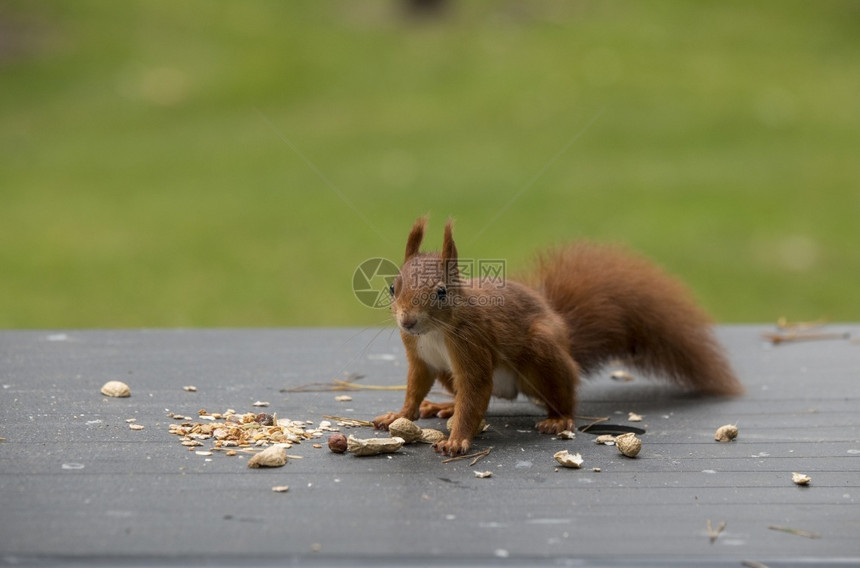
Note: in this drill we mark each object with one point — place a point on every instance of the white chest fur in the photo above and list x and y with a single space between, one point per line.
432 349
434 352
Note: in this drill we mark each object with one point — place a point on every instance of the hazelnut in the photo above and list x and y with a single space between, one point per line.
337 443
264 419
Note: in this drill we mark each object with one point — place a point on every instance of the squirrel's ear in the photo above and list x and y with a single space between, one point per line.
449 254
413 243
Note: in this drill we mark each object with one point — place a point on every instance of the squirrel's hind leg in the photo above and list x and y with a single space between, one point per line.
553 380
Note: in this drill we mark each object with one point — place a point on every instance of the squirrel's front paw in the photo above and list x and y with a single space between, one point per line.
555 425
382 421
452 447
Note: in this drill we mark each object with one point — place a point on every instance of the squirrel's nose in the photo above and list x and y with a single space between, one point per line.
408 322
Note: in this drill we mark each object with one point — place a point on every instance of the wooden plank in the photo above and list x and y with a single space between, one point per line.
141 498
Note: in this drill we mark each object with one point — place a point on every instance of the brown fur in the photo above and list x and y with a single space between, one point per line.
586 305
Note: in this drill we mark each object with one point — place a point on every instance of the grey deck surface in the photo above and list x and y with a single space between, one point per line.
140 498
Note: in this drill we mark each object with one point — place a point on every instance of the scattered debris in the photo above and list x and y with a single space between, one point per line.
628 444
373 446
343 398
605 439
800 478
135 426
726 433
633 417
568 459
281 488
337 443
190 388
260 403
117 389
273 456
406 429
714 533
595 469
798 532
483 474
566 435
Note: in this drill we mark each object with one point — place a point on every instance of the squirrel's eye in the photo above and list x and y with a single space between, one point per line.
441 292
391 289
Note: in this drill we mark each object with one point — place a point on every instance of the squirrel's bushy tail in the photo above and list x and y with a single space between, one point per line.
619 306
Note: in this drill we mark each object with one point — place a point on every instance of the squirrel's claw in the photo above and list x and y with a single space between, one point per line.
451 447
382 421
555 425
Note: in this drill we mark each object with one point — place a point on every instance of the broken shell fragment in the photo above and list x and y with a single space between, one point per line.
800 478
373 446
406 429
633 417
190 388
621 375
135 426
726 433
343 398
628 444
566 435
568 459
431 436
281 488
117 389
607 439
274 456
483 474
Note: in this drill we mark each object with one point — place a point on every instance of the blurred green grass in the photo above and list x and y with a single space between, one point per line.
145 180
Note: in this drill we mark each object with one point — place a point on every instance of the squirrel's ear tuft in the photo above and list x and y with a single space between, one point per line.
449 254
413 243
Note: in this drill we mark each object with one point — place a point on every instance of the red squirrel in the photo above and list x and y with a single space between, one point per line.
584 305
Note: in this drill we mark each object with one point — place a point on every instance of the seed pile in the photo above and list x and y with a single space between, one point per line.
232 432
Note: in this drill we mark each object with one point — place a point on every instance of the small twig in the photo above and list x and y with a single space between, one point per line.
777 338
338 385
476 455
783 323
595 423
349 421
481 456
798 532
714 534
